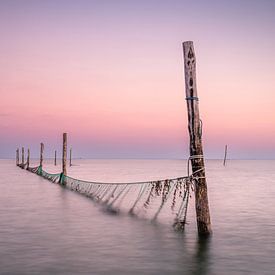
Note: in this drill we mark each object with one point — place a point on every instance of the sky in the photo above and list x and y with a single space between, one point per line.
110 74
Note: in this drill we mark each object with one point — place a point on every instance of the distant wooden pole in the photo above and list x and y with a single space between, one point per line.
41 154
71 157
225 155
64 160
28 159
196 150
17 156
23 155
64 155
55 157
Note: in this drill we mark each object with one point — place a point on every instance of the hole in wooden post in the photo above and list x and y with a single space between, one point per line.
190 54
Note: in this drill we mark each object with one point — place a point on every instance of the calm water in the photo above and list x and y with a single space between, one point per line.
46 229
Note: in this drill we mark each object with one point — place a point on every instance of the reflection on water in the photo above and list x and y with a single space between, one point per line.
46 229
202 256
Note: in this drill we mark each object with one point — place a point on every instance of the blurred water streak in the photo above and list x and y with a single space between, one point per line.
48 229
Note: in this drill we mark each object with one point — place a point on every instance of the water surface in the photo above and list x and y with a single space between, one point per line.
46 229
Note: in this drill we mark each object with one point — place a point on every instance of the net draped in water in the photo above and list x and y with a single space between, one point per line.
149 199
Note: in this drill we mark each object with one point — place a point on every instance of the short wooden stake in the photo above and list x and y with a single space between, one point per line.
28 159
55 157
23 156
71 157
17 156
195 133
41 154
225 155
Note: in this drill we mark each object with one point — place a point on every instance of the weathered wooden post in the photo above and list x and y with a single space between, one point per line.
195 132
225 155
39 171
64 155
41 154
17 157
28 159
71 157
64 160
23 157
55 157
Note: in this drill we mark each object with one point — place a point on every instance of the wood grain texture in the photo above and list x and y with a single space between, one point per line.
195 133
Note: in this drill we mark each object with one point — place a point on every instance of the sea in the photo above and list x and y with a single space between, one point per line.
47 229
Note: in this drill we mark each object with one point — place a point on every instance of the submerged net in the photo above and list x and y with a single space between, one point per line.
144 199
23 165
151 199
34 169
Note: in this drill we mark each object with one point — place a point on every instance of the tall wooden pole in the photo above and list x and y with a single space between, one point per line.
23 156
71 157
196 150
41 154
28 159
55 157
225 155
64 155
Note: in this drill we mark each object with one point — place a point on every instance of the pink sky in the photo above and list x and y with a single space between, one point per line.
111 75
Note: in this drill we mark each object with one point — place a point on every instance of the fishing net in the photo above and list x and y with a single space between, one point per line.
23 165
150 199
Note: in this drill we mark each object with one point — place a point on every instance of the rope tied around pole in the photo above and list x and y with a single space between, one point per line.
194 180
192 98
